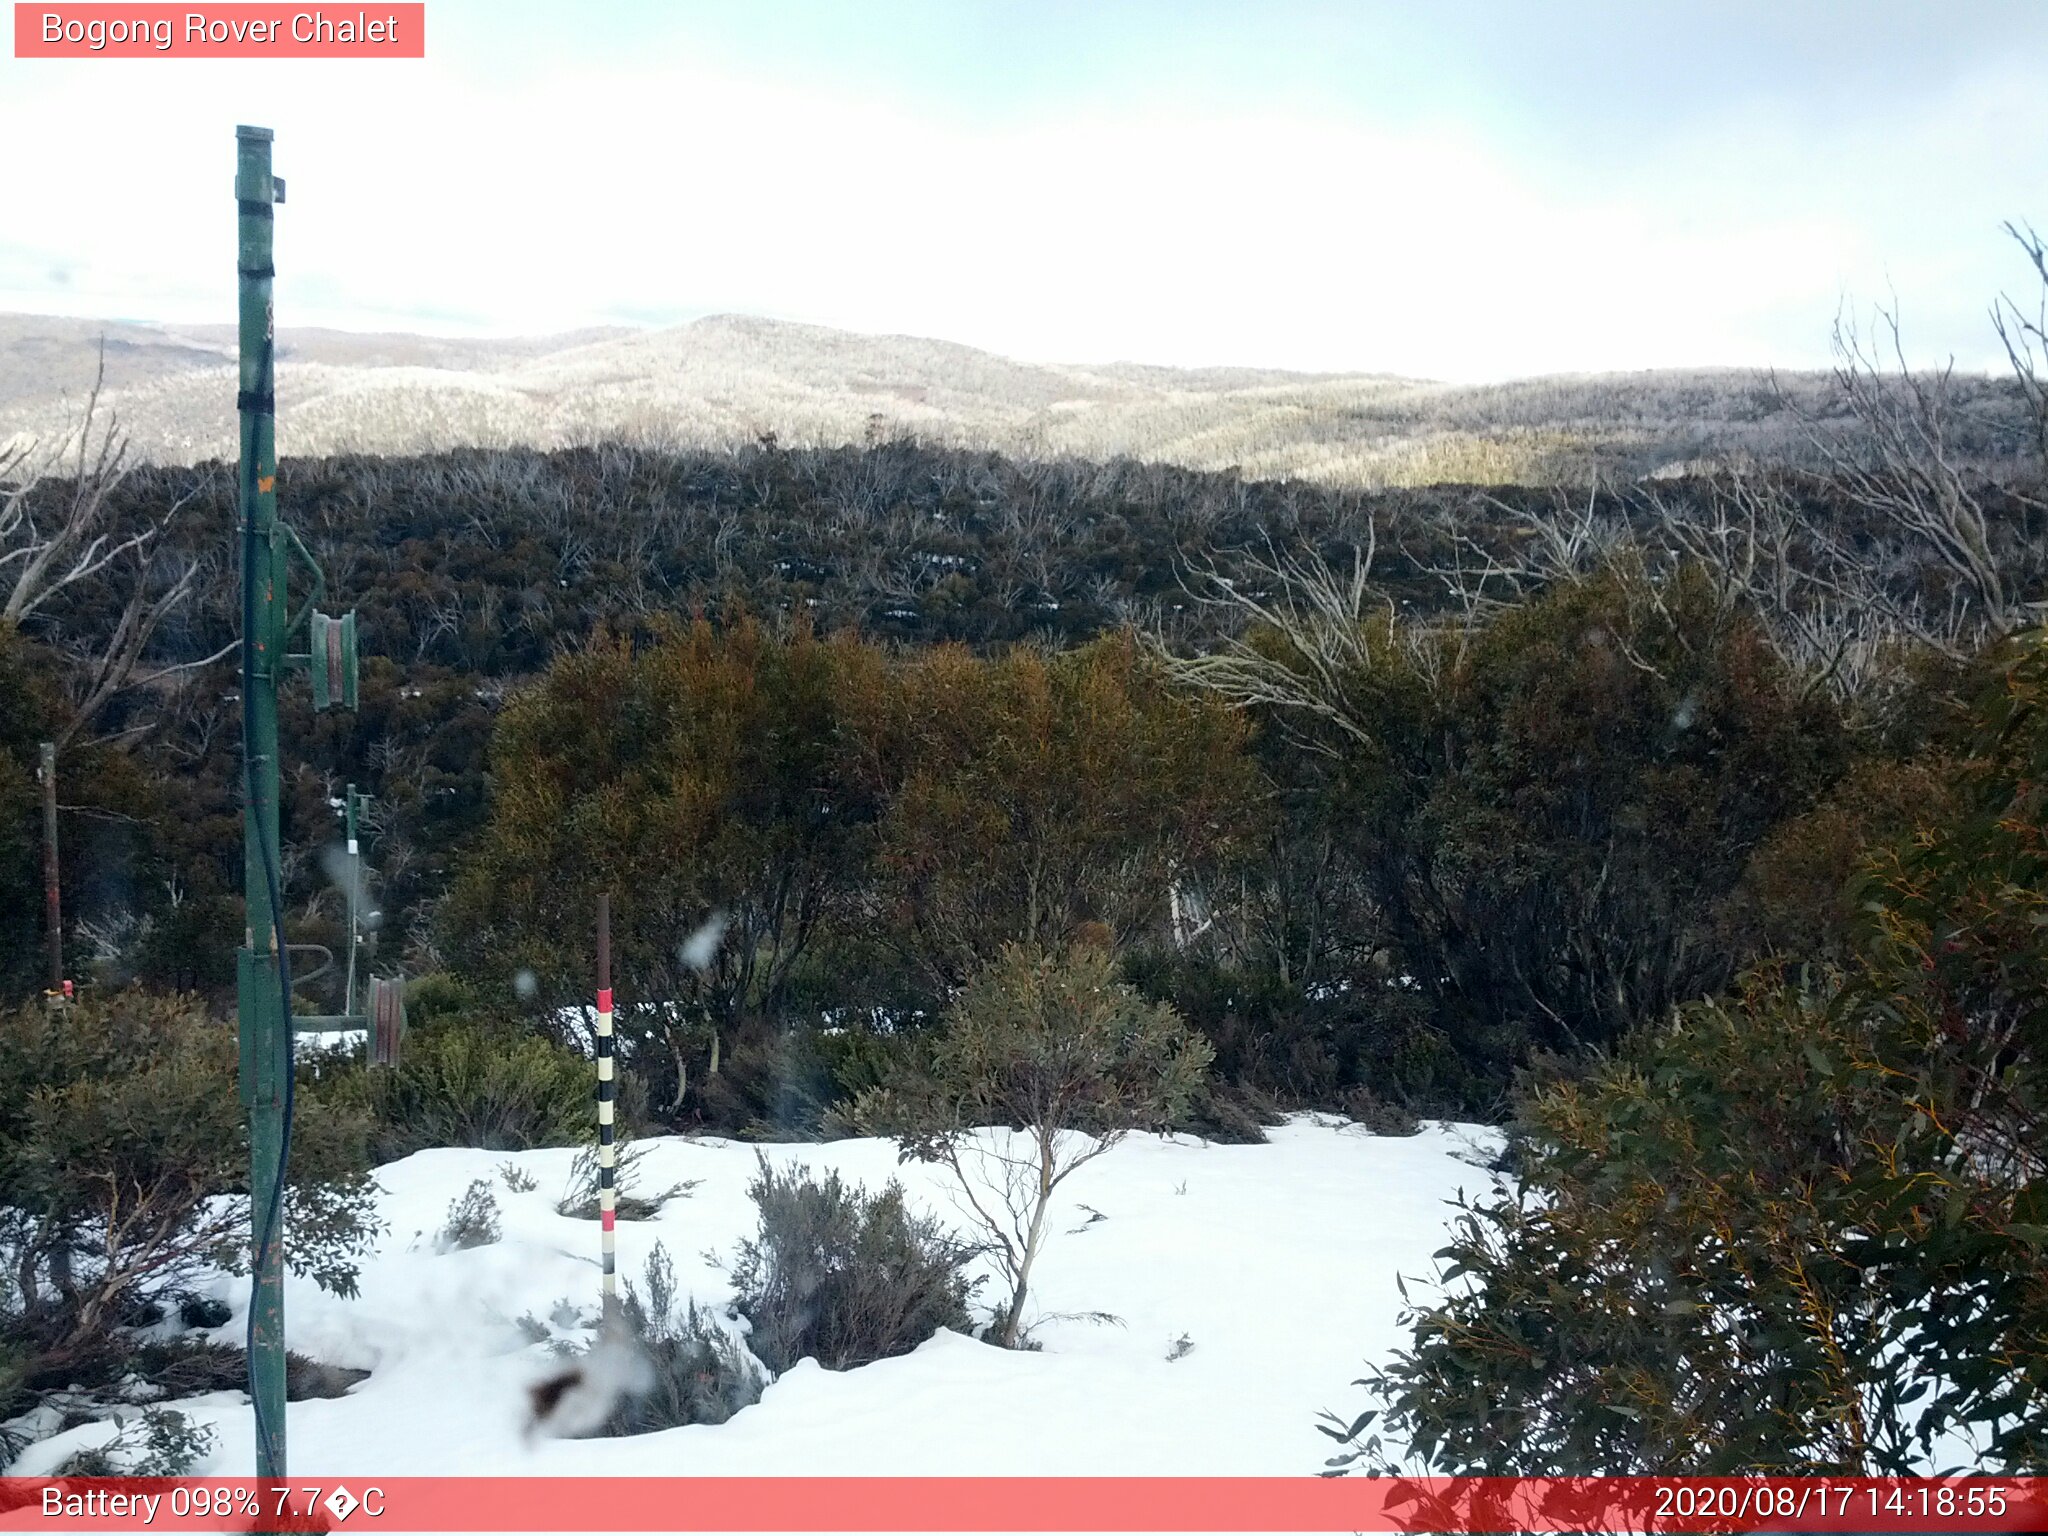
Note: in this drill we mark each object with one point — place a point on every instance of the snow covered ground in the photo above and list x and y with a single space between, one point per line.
1276 1263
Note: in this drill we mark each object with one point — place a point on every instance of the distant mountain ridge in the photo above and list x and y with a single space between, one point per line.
728 379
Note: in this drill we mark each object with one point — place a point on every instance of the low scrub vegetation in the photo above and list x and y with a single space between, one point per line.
464 1080
473 1218
156 1442
689 1368
845 1277
582 1200
123 1178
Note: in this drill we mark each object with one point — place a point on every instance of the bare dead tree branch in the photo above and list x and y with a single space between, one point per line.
43 558
1309 633
2024 334
1902 468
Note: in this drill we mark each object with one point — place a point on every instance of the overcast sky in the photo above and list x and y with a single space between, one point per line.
1461 191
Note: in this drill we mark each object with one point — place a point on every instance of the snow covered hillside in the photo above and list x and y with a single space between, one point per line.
1275 1264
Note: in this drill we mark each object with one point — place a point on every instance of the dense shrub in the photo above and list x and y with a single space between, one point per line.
844 1277
465 1082
1516 831
1280 1047
28 713
1610 755
124 1169
695 1371
123 1176
1798 897
1798 1229
109 842
1028 796
776 1083
703 778
760 796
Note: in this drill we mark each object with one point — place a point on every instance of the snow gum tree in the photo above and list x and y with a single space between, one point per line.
1044 1063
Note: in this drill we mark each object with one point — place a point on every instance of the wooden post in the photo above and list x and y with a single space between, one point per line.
53 902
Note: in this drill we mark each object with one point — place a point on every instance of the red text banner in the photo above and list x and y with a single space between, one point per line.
376 31
1022 1504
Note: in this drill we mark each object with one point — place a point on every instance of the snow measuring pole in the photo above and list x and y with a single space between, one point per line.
264 977
607 1108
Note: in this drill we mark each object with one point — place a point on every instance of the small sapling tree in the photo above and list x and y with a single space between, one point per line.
1045 1062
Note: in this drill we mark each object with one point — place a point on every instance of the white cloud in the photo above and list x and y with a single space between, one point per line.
424 198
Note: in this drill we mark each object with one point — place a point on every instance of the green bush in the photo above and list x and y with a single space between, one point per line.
1279 1050
1796 1230
844 1277
705 773
158 1442
439 996
1797 898
1645 1299
1613 752
124 1174
1541 819
462 1082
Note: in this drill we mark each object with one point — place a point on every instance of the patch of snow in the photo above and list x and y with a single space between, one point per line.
1252 1283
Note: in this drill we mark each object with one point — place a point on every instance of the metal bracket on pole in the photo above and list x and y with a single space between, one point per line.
332 661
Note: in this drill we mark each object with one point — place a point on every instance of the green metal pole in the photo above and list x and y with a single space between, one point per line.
266 1057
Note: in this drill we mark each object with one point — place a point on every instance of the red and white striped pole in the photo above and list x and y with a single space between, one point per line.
607 1101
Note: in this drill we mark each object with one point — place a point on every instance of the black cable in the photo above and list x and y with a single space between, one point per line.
263 1236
